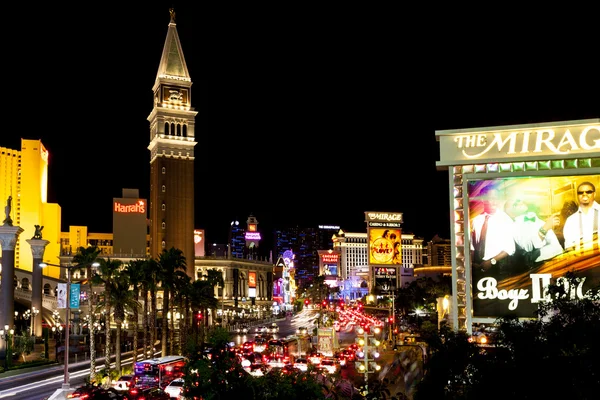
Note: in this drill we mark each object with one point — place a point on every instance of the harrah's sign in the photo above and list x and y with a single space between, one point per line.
139 207
507 144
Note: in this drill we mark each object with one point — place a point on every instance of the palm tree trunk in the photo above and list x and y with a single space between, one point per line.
172 331
108 342
152 324
92 336
118 348
145 323
135 330
164 319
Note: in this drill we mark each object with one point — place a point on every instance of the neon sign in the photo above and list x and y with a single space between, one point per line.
253 236
330 258
139 207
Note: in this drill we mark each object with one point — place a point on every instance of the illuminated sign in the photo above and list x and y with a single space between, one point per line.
519 142
330 258
513 258
252 279
252 236
332 227
198 236
385 246
385 272
383 216
252 227
138 207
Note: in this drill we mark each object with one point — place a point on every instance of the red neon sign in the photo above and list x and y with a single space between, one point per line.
139 207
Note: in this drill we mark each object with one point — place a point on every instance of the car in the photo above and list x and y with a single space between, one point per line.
242 330
260 329
301 364
330 365
256 369
146 393
88 392
124 383
175 388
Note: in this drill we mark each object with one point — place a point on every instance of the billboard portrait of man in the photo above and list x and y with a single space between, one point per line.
516 242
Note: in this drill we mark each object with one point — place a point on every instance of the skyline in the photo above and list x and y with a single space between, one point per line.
291 129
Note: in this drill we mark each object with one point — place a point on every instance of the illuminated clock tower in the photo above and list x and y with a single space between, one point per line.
172 141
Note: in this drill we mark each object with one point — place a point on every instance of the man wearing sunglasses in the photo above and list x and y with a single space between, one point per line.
581 228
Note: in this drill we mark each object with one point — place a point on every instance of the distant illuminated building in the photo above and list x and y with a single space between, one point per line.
289 281
25 178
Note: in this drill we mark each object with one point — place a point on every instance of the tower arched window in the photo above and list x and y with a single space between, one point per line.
163 244
164 170
167 129
164 225
184 130
173 128
178 129
163 207
164 188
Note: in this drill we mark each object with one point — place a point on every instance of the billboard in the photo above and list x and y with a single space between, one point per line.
329 261
385 246
527 232
385 278
252 279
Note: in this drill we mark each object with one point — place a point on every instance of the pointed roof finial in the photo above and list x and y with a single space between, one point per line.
172 12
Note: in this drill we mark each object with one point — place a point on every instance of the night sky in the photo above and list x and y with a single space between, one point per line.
303 118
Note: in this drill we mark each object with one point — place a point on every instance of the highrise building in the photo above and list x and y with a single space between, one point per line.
25 178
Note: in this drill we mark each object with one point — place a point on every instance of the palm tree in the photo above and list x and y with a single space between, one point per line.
202 298
214 278
120 299
181 288
172 264
149 287
107 271
87 256
135 271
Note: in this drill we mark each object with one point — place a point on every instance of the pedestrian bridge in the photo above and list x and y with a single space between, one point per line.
23 292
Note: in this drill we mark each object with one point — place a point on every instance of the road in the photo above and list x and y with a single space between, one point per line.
43 383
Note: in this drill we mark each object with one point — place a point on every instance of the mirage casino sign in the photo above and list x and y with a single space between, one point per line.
511 143
139 207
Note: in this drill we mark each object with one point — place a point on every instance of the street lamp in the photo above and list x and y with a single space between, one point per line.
6 335
34 312
66 384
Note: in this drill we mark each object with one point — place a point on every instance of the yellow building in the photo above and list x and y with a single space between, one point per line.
24 176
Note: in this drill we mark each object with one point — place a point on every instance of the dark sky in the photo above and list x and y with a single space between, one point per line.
304 117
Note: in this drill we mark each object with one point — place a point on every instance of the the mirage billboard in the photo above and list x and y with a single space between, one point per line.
527 232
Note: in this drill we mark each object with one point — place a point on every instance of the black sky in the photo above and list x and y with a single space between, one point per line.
304 117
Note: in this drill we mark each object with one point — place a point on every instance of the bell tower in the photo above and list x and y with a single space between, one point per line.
172 142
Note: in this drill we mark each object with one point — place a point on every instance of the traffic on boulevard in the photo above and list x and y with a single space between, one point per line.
353 347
